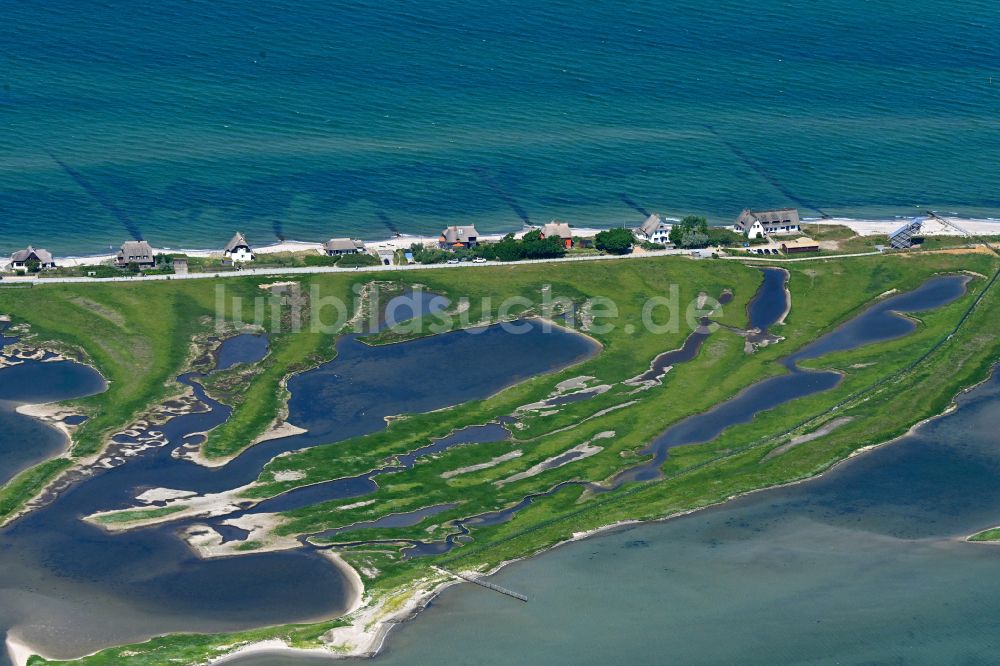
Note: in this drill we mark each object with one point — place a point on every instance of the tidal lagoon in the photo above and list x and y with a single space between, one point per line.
149 581
25 440
55 568
866 564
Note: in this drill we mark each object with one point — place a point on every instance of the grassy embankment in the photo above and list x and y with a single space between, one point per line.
139 336
720 372
843 240
824 294
129 516
736 462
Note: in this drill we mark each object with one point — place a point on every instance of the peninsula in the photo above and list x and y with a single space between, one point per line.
608 392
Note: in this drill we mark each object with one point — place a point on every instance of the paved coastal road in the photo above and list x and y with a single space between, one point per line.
778 260
250 272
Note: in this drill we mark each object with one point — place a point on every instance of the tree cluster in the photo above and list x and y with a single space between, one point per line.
690 232
615 241
531 246
424 255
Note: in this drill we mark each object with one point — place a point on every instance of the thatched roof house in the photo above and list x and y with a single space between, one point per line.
338 246
238 249
560 230
459 236
654 230
21 258
135 252
754 224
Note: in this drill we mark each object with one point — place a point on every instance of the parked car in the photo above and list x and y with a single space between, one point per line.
453 261
479 260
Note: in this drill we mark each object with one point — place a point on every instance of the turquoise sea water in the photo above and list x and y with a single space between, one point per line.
183 120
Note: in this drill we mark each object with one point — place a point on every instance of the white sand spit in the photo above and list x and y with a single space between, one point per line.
578 452
486 465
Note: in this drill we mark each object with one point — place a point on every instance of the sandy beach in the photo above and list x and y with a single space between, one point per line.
402 242
20 652
931 227
863 227
52 414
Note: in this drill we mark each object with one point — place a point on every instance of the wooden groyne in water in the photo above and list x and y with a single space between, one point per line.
486 584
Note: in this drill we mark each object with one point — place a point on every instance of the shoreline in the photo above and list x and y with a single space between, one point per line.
20 651
54 415
392 244
51 415
213 505
380 626
369 630
874 226
862 226
629 523
372 631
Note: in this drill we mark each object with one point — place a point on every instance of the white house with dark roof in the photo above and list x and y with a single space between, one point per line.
654 230
755 224
21 259
238 250
338 246
135 252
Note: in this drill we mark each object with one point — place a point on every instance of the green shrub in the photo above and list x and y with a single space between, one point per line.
615 241
353 260
322 260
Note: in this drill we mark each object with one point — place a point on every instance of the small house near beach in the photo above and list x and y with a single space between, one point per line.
456 237
135 252
237 250
29 257
801 244
338 246
180 266
654 230
907 235
765 223
560 230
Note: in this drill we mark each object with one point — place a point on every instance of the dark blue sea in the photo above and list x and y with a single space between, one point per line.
182 120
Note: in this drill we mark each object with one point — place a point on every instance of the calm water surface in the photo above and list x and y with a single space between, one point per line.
25 440
246 348
182 120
